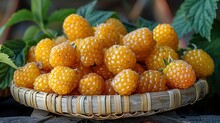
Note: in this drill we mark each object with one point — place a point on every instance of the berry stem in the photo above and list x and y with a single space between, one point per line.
165 62
44 30
194 46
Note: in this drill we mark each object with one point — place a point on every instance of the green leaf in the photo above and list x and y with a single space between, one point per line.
6 50
97 17
40 14
129 26
31 33
19 16
87 9
181 23
42 36
212 48
195 15
20 49
17 46
31 42
202 15
39 9
4 58
60 15
6 72
141 22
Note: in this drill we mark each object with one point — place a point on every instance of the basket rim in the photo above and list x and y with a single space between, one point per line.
101 107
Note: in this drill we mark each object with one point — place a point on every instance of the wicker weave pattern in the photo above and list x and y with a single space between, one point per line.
110 106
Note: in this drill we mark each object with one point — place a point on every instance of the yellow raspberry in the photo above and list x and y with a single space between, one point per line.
125 82
91 52
201 62
74 92
75 27
41 83
77 44
60 39
155 60
103 71
118 25
26 75
81 70
151 81
138 68
31 54
121 41
118 57
94 28
63 55
140 41
108 34
62 80
91 84
44 71
42 53
108 89
165 35
179 74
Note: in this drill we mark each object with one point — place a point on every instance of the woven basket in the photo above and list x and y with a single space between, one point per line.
110 106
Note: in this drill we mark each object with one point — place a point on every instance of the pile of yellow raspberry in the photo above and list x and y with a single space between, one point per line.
108 60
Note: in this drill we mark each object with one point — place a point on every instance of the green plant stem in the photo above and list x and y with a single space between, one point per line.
46 32
42 27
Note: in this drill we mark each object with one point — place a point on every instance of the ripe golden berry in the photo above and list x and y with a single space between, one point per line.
31 54
151 81
103 71
41 83
60 39
118 25
77 44
140 41
155 59
125 82
118 58
26 75
138 68
63 55
75 27
81 70
91 52
107 34
91 84
62 80
108 89
179 74
165 35
42 53
74 92
201 62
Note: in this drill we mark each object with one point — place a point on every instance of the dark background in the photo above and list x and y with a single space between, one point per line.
161 11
